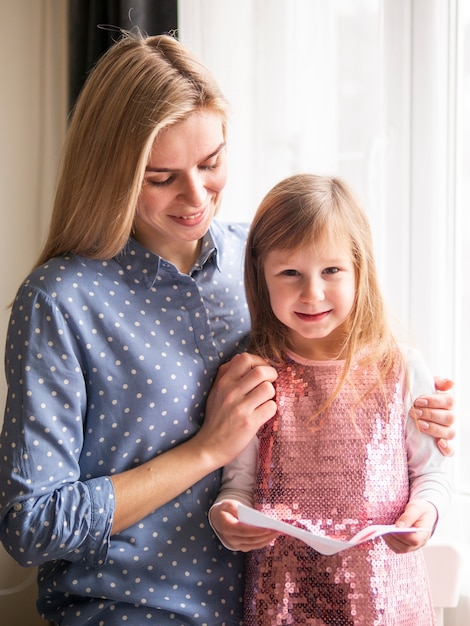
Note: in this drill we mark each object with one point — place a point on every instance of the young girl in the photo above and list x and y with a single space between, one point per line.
340 453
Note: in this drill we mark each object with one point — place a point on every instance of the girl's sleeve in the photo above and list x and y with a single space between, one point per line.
429 470
48 510
238 477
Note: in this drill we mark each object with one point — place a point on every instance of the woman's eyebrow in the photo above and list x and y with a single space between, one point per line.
150 168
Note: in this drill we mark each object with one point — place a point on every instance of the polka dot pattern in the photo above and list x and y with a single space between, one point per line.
109 364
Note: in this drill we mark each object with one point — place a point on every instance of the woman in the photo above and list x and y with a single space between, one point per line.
112 447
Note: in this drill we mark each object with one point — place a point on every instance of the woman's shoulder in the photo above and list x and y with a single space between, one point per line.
61 274
63 267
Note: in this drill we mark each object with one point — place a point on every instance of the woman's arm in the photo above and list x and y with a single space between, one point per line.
49 507
239 403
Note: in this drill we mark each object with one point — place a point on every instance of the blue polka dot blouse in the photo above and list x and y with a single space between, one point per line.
108 364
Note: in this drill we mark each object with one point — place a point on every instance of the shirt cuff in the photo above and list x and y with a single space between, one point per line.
94 550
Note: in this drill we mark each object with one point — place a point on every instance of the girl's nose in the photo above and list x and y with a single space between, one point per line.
312 290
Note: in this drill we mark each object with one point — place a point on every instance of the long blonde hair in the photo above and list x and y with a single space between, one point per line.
140 86
300 210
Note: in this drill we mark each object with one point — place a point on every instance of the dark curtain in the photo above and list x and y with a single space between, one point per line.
88 40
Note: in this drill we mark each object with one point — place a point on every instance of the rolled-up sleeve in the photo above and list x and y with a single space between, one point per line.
71 523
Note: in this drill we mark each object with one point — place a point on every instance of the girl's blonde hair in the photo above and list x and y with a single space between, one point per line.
300 210
140 86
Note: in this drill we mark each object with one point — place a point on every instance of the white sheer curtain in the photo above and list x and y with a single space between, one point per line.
355 88
275 68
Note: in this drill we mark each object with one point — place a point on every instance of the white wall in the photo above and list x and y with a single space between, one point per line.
32 121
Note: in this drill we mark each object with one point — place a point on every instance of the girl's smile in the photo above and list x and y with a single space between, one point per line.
312 317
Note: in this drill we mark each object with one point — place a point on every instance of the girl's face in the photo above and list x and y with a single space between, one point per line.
312 292
182 185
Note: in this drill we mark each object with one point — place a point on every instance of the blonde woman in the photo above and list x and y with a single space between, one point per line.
340 453
112 446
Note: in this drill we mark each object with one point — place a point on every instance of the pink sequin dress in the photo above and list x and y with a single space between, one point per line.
347 472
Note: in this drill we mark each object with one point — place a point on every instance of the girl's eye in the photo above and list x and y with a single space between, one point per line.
331 270
290 272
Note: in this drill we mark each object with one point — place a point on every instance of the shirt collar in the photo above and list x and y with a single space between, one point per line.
145 266
208 252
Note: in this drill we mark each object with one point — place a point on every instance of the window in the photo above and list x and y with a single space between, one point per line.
374 90
462 247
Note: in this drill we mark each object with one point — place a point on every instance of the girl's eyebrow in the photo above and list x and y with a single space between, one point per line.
150 168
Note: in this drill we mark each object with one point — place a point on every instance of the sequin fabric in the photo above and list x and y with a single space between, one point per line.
335 478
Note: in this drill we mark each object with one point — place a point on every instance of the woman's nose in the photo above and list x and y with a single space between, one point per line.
194 191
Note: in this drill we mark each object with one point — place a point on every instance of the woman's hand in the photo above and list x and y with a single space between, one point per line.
435 415
419 513
234 534
239 403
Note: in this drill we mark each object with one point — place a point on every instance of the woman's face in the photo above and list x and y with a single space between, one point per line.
184 178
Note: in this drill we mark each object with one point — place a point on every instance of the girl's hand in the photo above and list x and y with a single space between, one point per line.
436 416
419 513
234 534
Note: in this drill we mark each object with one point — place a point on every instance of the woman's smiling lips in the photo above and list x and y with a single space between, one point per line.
190 220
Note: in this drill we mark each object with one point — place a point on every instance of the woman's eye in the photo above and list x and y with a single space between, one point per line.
213 161
160 183
210 166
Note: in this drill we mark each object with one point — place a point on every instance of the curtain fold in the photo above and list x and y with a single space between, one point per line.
92 26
